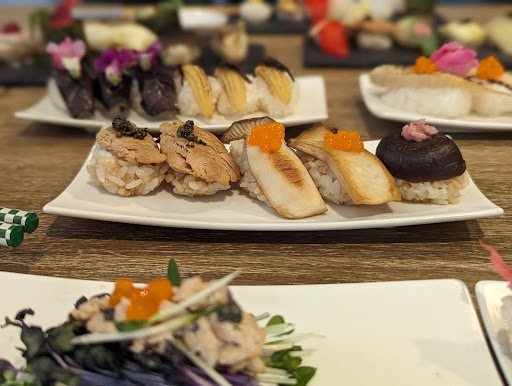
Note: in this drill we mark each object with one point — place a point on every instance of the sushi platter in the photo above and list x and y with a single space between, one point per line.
311 107
470 123
235 210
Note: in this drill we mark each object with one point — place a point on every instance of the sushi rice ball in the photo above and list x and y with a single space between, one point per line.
126 160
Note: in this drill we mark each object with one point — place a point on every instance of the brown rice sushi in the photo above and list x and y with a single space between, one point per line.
126 160
199 163
343 170
271 172
427 165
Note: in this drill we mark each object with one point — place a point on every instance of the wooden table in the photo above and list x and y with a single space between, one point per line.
38 161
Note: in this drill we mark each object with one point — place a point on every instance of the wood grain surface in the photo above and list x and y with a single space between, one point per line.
38 161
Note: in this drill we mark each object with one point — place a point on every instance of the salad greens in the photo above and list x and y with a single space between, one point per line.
70 355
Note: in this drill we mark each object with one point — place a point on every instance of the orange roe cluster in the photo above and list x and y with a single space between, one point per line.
490 68
343 140
268 137
424 66
144 302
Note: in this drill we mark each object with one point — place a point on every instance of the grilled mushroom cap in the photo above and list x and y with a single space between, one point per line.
435 159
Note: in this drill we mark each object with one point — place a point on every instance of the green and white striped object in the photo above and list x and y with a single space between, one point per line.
28 220
11 235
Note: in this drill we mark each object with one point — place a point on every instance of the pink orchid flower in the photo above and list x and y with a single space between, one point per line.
455 59
67 55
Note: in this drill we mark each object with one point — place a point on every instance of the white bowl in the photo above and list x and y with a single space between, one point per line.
196 18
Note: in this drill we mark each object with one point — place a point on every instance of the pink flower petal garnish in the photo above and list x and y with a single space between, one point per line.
498 264
66 49
455 59
418 131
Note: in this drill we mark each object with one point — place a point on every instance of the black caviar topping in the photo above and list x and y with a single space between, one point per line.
125 128
272 62
187 131
231 66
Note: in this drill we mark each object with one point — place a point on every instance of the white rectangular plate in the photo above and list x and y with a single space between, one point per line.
235 210
470 123
421 333
312 107
489 294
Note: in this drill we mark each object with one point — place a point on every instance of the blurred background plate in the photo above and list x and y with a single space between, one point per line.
471 123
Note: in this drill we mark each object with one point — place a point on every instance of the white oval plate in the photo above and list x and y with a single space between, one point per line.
312 107
471 123
421 333
235 210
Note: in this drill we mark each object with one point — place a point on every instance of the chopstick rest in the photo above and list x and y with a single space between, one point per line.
28 220
11 235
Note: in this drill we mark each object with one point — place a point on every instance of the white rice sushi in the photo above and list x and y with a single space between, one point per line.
197 93
126 160
239 94
199 163
442 94
279 90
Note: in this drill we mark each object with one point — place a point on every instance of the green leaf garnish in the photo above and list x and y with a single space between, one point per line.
173 273
276 319
130 325
303 375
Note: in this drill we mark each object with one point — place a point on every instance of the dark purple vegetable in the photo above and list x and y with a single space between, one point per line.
434 159
77 93
157 91
115 99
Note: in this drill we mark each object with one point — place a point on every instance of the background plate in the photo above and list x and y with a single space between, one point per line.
489 294
312 107
470 123
421 333
235 210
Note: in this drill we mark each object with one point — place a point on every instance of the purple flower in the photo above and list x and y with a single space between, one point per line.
149 58
67 55
113 62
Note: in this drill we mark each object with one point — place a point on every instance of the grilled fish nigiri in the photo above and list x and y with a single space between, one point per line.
272 173
199 163
342 169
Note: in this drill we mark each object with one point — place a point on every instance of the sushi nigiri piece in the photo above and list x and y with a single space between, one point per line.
427 165
239 94
114 81
73 81
342 169
450 83
153 91
126 160
199 163
197 93
272 173
279 90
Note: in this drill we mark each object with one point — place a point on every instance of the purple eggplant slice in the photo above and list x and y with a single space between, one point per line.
77 93
157 91
115 99
435 159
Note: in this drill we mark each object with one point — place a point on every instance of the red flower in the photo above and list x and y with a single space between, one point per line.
62 16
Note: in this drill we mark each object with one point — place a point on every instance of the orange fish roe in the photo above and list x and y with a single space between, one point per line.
144 302
268 137
490 68
424 66
123 288
343 140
